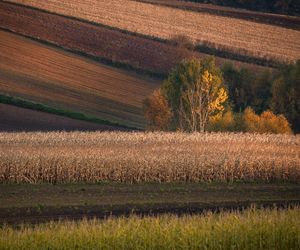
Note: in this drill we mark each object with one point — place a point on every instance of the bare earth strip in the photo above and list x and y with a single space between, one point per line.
19 119
62 80
164 22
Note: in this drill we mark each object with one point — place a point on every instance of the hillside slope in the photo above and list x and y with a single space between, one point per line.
261 40
102 43
59 79
14 118
291 22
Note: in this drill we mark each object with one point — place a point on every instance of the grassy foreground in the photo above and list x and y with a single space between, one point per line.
251 229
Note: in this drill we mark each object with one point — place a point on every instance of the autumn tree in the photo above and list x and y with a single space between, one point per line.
157 111
192 94
201 100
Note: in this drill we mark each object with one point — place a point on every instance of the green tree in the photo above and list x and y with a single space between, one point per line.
262 91
194 91
240 86
286 94
247 88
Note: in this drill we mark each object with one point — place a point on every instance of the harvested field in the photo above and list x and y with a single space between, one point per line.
19 119
62 80
106 44
291 22
261 40
148 157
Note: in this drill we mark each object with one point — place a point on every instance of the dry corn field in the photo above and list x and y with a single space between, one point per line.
147 157
261 40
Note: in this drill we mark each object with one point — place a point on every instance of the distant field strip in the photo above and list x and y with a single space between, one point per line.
291 22
14 118
110 45
148 157
62 80
260 40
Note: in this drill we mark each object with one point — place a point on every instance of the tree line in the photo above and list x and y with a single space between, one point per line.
199 96
289 7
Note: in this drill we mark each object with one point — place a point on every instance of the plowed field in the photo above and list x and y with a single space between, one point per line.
261 40
62 80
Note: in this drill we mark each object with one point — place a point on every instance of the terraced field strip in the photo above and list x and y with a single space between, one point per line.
108 45
260 40
63 80
291 22
14 118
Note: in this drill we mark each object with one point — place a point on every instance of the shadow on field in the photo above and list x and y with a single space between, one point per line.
16 119
26 203
36 215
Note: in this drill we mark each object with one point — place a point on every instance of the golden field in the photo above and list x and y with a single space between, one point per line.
147 157
260 40
59 79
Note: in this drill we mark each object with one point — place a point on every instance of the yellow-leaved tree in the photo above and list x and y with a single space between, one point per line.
194 93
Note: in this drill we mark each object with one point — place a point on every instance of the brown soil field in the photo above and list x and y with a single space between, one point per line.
43 202
62 80
14 118
291 22
261 40
110 45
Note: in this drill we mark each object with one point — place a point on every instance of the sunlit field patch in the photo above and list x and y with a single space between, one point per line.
148 157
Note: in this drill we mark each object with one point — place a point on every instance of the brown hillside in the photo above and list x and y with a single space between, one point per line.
260 40
291 22
110 45
62 80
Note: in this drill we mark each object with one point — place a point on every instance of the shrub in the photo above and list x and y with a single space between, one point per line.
267 122
182 41
224 122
